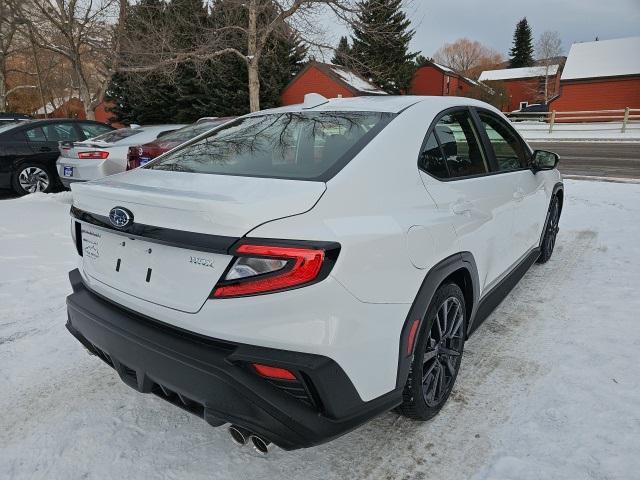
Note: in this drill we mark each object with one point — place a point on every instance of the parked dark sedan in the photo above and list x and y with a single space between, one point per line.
29 150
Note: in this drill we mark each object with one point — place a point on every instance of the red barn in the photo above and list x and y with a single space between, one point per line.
524 85
602 75
435 79
329 80
72 107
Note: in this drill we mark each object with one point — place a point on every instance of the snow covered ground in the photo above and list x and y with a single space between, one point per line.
602 131
549 388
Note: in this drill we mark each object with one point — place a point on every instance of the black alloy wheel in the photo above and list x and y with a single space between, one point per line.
550 232
438 355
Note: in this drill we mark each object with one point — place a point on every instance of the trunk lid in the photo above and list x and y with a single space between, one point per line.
178 276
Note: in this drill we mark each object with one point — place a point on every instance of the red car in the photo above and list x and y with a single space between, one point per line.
139 155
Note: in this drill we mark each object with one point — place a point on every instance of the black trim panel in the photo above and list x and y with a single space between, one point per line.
493 297
210 378
178 238
432 281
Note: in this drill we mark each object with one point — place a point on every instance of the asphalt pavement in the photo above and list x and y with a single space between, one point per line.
596 159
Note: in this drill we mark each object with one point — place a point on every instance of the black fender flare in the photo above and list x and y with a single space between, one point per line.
558 187
434 278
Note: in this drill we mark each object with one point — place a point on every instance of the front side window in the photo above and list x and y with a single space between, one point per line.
60 132
509 150
460 145
290 145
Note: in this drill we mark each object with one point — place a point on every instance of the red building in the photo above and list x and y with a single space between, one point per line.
330 81
602 75
436 79
524 85
71 107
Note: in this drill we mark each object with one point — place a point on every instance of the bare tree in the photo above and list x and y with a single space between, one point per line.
9 46
548 51
468 57
80 31
242 28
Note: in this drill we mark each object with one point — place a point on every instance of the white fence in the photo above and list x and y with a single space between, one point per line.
622 124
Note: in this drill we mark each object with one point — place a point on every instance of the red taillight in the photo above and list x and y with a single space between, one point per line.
301 266
273 372
95 155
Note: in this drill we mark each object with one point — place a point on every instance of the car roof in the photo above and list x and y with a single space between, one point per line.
379 103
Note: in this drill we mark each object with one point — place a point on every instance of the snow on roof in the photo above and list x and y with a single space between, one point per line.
53 105
442 67
354 81
512 73
604 58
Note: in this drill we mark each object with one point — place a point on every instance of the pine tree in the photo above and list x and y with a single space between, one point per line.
381 45
421 61
521 52
342 54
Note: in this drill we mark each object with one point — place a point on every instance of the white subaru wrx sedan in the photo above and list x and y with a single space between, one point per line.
301 270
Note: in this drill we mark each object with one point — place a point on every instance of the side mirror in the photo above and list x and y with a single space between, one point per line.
543 160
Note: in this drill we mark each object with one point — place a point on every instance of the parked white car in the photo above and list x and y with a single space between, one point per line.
301 270
105 154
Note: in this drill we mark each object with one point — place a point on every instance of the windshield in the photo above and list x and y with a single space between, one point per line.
292 145
187 133
116 135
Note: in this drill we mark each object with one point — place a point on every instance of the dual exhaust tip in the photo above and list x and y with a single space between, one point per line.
241 436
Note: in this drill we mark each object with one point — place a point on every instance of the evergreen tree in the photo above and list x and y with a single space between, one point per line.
521 52
342 54
217 87
421 61
381 45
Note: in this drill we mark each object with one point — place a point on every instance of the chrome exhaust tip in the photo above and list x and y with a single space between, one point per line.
239 435
260 445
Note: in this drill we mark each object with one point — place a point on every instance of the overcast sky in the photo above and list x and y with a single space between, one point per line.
492 21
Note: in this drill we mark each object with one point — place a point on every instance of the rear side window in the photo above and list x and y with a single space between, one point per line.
290 145
432 160
509 150
459 147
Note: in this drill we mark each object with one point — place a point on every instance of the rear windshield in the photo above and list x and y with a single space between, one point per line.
291 145
187 133
117 135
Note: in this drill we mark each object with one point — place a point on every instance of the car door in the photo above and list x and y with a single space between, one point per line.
458 174
13 150
512 157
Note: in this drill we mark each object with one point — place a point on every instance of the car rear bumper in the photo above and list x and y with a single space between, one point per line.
214 379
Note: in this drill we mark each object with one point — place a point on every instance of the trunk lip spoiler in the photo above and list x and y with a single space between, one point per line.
166 236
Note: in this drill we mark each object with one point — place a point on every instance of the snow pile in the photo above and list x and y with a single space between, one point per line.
355 81
513 73
604 58
549 387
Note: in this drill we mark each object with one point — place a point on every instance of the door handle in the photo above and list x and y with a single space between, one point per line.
45 149
518 195
462 207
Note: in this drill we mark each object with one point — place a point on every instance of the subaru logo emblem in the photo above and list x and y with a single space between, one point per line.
120 217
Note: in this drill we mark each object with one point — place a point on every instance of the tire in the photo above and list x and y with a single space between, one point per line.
436 357
33 177
550 231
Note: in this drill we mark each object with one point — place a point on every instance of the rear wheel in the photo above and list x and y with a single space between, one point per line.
550 232
438 354
31 178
